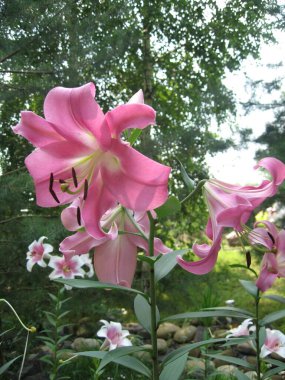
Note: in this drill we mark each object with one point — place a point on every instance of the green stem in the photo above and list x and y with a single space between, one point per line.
196 190
257 327
155 367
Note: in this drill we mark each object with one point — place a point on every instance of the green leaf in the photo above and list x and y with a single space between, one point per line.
273 371
172 356
51 319
63 338
231 360
53 297
5 366
174 369
166 263
63 314
235 341
187 180
126 361
275 297
148 259
231 309
113 355
272 317
250 287
262 336
136 132
170 207
143 312
240 375
205 314
82 284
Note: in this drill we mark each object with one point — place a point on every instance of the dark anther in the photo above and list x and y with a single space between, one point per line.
85 189
248 259
271 237
62 181
74 177
78 214
51 188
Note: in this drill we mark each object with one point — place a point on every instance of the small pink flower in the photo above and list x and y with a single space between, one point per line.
115 336
231 206
80 153
38 251
67 266
115 255
242 330
273 261
274 342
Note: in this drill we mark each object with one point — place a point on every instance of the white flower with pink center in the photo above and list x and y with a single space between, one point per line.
242 330
274 342
38 251
114 335
66 266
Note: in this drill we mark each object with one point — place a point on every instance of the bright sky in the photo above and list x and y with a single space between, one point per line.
236 166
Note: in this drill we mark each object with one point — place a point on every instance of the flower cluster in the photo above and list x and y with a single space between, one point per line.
67 266
274 340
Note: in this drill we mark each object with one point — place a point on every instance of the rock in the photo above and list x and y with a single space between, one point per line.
220 362
251 359
227 369
145 356
133 328
185 334
85 344
252 375
161 346
195 364
85 328
246 348
166 330
274 355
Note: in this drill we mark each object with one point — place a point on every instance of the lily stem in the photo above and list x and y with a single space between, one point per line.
257 327
155 367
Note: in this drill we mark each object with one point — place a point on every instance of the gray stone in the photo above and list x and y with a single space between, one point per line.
85 344
162 346
227 369
246 348
252 375
220 362
185 334
166 330
220 333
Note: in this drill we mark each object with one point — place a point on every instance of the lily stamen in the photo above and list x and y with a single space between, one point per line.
52 192
85 189
74 177
78 215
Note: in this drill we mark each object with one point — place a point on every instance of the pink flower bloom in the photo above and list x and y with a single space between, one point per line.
67 266
242 330
38 251
115 255
115 336
274 342
273 262
231 206
80 153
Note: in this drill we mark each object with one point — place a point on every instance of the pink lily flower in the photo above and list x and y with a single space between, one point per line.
242 330
114 334
67 266
231 206
115 255
80 153
273 261
38 251
274 342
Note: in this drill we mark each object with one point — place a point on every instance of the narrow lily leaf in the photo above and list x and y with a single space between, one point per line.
250 287
174 369
92 354
166 263
273 371
136 132
148 259
275 297
76 283
229 308
240 375
262 336
113 355
170 207
172 356
187 180
235 341
205 314
272 317
231 360
5 366
143 312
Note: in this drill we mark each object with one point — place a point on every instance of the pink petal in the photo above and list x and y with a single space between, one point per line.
131 115
73 111
275 167
115 261
137 97
270 227
36 130
139 183
280 242
80 243
260 236
98 201
69 216
267 274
